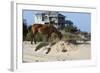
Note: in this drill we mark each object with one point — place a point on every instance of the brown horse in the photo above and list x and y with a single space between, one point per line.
44 29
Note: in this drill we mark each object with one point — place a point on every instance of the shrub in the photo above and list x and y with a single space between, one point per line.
28 36
70 29
41 45
25 31
54 37
38 37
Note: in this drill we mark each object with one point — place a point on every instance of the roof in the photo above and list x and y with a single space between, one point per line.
51 13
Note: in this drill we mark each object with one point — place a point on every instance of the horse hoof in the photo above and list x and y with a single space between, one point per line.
35 49
46 53
64 50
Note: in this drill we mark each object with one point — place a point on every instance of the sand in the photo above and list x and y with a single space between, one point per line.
73 52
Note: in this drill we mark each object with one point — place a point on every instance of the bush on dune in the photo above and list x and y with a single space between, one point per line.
41 45
39 37
28 36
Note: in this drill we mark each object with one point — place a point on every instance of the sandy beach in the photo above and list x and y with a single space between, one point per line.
73 52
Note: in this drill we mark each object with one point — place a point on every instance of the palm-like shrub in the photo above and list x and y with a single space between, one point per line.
69 27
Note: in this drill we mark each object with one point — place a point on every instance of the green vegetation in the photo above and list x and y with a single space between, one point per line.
41 45
69 33
54 37
70 36
39 37
70 27
24 29
28 36
53 43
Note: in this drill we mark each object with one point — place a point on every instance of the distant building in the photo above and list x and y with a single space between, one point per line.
50 17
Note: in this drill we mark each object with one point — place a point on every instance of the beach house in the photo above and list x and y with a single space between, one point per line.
50 17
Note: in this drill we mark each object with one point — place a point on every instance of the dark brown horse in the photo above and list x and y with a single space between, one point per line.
44 29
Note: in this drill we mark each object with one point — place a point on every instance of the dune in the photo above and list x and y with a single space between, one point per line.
61 51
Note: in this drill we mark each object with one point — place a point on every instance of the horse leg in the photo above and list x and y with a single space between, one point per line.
32 39
49 49
48 36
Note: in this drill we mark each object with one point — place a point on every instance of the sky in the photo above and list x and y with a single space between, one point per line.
81 20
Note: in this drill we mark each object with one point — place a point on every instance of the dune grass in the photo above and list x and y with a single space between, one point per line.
42 44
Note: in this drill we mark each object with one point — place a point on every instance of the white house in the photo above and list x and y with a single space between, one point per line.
50 17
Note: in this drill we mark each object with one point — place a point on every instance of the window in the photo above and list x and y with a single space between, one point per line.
43 16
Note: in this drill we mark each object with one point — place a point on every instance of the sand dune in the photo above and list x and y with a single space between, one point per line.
73 52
